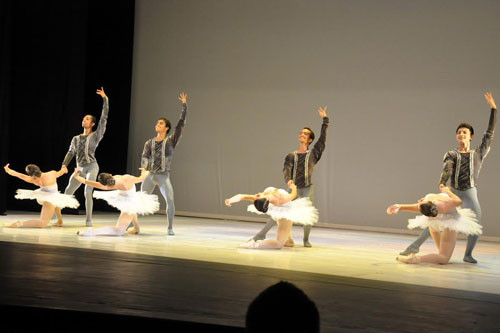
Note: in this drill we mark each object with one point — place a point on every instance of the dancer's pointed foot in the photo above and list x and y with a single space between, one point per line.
251 244
470 260
307 243
289 242
408 251
16 224
411 259
171 232
134 231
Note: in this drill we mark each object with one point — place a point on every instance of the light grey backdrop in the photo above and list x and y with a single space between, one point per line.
397 77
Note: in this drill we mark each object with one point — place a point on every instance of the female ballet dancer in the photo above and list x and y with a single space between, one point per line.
281 206
444 219
124 198
47 195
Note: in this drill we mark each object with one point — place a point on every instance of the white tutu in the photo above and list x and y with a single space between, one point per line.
130 202
299 211
49 194
463 221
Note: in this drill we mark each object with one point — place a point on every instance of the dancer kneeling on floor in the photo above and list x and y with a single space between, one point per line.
47 195
124 198
444 218
281 206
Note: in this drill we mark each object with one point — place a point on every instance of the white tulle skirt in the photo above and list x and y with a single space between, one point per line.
299 211
54 197
464 221
130 202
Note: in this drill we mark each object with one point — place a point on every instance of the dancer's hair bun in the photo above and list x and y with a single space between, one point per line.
261 205
106 179
33 170
429 209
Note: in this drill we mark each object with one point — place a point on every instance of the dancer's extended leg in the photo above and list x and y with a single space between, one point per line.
118 230
45 215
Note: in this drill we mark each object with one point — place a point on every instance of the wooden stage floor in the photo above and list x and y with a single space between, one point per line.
200 275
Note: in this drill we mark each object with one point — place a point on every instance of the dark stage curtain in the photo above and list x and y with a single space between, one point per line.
55 54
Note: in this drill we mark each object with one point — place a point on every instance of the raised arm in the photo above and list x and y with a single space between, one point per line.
182 121
82 180
484 148
19 175
101 126
71 152
320 145
239 197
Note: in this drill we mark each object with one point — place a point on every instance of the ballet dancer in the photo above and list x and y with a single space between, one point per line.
461 166
444 218
124 198
83 146
47 195
298 168
157 158
282 208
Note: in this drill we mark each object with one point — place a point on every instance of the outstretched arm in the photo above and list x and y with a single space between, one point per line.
320 145
101 126
82 180
19 175
182 121
239 197
484 148
394 209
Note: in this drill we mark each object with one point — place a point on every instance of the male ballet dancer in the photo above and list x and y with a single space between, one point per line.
157 158
298 168
462 166
83 146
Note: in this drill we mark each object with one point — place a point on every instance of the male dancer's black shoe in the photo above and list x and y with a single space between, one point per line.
408 251
470 260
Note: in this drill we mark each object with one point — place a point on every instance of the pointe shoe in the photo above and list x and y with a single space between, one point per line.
251 244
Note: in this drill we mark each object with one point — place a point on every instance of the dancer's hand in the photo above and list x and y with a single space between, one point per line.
183 98
7 169
393 209
227 202
322 111
444 189
490 100
64 169
290 183
144 171
101 92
